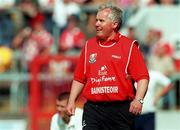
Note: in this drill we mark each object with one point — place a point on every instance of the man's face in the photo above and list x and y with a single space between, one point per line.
104 25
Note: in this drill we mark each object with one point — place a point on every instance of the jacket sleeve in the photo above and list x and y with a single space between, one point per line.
137 67
79 74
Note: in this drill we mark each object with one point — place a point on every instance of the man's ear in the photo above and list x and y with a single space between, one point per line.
115 24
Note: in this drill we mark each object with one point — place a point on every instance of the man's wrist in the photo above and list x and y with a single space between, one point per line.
140 100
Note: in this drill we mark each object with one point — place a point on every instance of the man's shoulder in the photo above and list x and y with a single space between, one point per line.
126 39
128 42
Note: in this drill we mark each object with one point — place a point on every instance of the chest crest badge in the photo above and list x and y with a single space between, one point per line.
92 58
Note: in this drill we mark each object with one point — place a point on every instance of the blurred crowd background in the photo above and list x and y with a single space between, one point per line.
40 41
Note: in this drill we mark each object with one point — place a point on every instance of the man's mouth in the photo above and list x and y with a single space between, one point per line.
98 29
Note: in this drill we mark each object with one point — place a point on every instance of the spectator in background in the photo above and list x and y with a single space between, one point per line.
83 1
62 10
176 55
88 28
145 3
131 7
155 2
159 86
28 9
161 60
34 40
166 2
61 120
131 33
6 27
47 7
72 37
152 37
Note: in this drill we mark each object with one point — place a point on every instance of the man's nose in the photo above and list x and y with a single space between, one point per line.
97 23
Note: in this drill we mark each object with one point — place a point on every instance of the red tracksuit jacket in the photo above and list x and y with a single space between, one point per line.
103 68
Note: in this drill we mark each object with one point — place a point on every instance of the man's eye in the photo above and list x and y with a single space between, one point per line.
101 20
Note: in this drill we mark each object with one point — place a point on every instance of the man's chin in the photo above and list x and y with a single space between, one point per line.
99 35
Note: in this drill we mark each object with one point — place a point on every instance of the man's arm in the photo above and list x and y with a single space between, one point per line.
75 91
142 86
136 106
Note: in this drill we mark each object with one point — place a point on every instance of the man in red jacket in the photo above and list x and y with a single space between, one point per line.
109 65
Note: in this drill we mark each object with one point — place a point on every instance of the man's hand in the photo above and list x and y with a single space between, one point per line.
71 108
135 107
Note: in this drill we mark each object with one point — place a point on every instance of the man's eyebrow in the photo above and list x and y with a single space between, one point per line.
99 19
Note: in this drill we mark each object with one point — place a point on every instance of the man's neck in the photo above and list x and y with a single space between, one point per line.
111 37
108 40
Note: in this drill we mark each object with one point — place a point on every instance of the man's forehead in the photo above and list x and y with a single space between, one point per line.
104 12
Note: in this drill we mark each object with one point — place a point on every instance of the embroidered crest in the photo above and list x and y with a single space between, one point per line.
92 58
